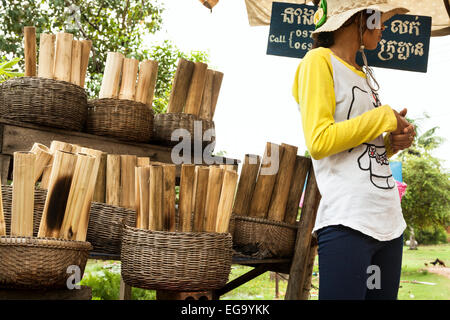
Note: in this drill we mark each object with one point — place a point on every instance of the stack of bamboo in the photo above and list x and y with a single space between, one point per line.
195 89
60 56
121 80
272 189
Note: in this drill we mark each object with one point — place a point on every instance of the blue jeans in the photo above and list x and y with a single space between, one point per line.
354 266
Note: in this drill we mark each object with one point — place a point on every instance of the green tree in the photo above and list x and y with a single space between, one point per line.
7 69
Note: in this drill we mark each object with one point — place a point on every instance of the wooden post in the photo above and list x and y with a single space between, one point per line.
129 76
100 185
46 55
127 164
23 194
111 76
225 207
156 220
215 181
2 217
169 173
142 220
180 86
30 51
194 97
265 182
298 270
75 74
201 188
43 157
63 56
302 166
113 179
54 146
309 269
206 105
86 46
57 194
217 83
278 202
186 195
148 72
246 186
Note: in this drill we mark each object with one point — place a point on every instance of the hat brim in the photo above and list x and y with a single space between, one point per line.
335 22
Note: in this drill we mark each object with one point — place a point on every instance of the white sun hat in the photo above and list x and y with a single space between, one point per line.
332 14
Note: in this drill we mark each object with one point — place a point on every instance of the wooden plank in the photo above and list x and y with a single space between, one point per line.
309 269
246 277
84 293
125 290
5 164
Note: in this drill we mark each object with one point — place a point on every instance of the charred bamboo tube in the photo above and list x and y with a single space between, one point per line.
127 164
129 76
143 161
206 105
225 207
194 97
23 194
57 194
156 220
296 189
54 146
86 46
180 86
113 179
148 72
63 56
246 186
46 55
143 174
185 202
111 76
215 180
202 175
278 203
30 51
75 74
2 217
43 158
217 83
100 185
169 172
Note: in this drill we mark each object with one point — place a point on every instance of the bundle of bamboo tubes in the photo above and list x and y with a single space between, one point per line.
60 56
127 78
272 188
195 89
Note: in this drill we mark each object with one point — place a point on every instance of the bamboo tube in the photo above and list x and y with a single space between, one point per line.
296 189
205 107
79 189
156 219
246 186
54 146
57 194
137 198
30 51
113 179
143 161
143 175
215 180
86 46
76 148
217 83
265 182
225 207
127 164
280 194
169 173
148 72
230 167
75 74
2 217
46 55
111 76
43 157
129 76
23 194
202 174
100 185
185 201
194 97
180 86
63 56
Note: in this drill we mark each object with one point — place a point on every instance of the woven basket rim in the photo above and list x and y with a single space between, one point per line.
43 80
106 205
179 233
265 221
105 104
51 243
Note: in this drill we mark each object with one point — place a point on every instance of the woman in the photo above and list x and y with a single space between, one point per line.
350 136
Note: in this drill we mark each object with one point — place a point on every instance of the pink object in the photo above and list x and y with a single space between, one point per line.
301 200
401 188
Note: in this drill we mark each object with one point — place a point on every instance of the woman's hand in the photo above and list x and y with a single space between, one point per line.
402 123
403 137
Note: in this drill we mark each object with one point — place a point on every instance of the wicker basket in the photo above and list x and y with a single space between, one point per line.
178 261
47 102
105 227
37 263
121 119
166 123
262 238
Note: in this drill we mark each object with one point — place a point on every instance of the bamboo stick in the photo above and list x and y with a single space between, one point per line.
86 46
143 174
217 83
201 189
46 55
246 186
113 179
302 165
57 194
63 56
43 157
100 185
111 76
127 164
225 206
169 172
156 219
148 72
30 51
215 181
143 161
2 217
129 76
185 201
54 146
194 97
265 182
75 73
180 86
137 196
278 202
206 105
82 178
23 194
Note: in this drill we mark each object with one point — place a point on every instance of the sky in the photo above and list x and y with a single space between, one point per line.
255 104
